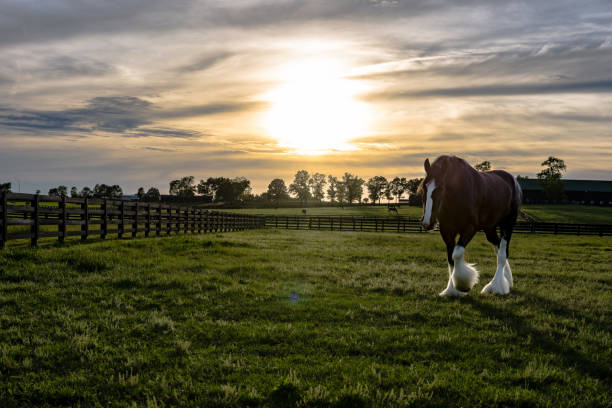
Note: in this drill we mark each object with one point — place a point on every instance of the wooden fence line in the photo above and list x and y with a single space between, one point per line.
411 224
36 216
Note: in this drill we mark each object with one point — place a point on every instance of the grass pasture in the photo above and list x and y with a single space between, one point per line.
303 318
356 210
579 214
576 214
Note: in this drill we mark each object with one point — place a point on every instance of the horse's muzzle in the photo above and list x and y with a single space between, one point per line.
427 227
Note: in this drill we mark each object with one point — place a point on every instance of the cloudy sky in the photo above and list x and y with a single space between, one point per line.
143 91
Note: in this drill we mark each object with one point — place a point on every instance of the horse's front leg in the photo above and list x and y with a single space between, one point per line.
465 276
449 240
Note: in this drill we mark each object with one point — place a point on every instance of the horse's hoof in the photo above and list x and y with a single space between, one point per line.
452 292
496 288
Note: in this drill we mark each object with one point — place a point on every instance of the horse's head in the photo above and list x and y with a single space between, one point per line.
432 189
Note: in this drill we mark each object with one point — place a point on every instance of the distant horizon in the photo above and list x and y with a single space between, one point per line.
289 180
141 93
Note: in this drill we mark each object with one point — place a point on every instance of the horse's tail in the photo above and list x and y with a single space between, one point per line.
518 194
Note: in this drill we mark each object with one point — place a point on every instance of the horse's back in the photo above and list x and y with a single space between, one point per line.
501 197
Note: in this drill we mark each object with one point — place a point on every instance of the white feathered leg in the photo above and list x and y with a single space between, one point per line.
508 274
502 281
450 288
465 276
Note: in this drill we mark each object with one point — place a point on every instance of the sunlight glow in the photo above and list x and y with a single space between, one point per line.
315 110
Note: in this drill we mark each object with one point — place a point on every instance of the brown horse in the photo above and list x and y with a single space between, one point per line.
463 201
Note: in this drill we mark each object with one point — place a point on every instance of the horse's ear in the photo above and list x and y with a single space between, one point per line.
427 165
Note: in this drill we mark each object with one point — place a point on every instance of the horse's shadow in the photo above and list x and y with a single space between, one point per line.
548 340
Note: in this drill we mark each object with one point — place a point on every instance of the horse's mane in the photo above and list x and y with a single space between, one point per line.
442 164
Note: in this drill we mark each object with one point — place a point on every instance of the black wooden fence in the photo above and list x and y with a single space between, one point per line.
28 216
411 224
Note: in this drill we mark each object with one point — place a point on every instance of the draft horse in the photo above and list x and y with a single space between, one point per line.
463 201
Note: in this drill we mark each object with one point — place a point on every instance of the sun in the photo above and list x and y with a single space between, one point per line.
315 109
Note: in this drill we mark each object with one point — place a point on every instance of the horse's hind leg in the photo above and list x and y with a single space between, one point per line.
502 281
493 238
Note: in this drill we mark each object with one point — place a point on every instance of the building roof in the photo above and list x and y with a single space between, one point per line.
603 186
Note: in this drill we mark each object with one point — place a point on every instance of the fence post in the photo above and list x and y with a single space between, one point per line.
158 219
4 220
148 222
169 220
61 234
186 226
34 230
104 225
84 219
121 220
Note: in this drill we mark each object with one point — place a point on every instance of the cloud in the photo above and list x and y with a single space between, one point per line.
123 115
502 90
159 149
205 62
165 133
211 109
108 114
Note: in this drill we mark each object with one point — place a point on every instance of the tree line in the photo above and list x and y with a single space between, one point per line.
346 189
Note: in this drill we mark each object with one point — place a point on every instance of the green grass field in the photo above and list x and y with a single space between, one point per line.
362 210
579 214
303 318
546 213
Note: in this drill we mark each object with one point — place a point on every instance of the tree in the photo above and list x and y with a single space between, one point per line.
74 192
241 188
152 194
60 191
86 192
183 187
376 185
412 186
398 186
484 166
388 192
108 191
332 190
205 187
5 187
277 190
341 194
354 187
550 178
365 200
224 189
317 182
300 187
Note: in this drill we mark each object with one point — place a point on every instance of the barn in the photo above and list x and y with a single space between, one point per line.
587 192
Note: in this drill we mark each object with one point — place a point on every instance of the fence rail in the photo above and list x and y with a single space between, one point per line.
33 216
411 224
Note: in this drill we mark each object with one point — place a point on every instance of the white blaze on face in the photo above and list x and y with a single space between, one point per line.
431 186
